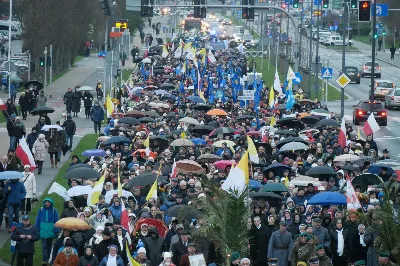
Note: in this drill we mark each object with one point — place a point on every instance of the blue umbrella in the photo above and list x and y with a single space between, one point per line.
328 198
198 141
93 152
10 175
161 92
254 184
376 168
196 99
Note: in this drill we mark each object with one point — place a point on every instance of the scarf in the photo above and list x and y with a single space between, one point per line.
120 240
340 242
362 240
97 239
112 260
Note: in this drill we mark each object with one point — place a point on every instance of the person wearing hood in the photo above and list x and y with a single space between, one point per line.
15 191
116 210
32 137
100 218
97 115
102 248
39 150
24 105
96 239
68 256
54 137
69 211
68 98
25 236
29 181
46 218
89 259
167 256
154 246
10 109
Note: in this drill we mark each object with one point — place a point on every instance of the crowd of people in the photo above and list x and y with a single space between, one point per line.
171 126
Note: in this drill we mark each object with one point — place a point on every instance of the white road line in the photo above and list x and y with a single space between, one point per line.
388 128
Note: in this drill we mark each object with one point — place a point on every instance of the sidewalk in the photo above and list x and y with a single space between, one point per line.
382 56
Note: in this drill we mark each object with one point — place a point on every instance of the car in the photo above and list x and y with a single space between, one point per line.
352 73
363 110
383 87
367 67
226 22
392 99
336 40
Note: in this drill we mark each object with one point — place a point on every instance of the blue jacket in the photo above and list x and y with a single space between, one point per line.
116 212
120 262
97 113
16 193
45 220
31 138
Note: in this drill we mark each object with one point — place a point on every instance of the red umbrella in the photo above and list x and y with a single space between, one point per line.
161 228
224 163
254 133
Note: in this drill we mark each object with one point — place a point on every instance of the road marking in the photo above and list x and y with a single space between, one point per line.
388 128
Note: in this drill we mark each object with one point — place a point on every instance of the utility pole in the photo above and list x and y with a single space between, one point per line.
29 66
371 96
287 42
310 51
51 69
9 49
301 31
317 52
346 13
105 60
45 70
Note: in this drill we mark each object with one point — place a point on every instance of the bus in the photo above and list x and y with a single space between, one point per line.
191 23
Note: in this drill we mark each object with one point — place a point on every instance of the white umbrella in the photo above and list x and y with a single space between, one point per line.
110 194
85 88
303 181
190 120
146 61
294 146
346 158
47 127
79 190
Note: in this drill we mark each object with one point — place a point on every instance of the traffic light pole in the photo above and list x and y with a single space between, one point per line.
371 96
345 20
51 69
317 53
45 70
29 66
9 49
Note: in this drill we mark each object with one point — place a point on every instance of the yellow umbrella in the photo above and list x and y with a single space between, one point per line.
219 143
72 223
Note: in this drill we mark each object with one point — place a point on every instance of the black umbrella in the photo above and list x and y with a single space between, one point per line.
172 115
311 120
274 187
366 179
225 131
137 59
201 107
82 172
42 110
290 139
167 86
319 171
328 123
79 165
272 198
34 83
159 141
142 180
278 168
244 117
129 120
290 122
183 212
145 120
286 132
202 129
117 140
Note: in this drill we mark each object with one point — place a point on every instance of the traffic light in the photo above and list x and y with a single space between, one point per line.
145 9
248 13
383 32
376 35
353 4
325 3
295 3
364 11
48 61
42 61
199 12
105 6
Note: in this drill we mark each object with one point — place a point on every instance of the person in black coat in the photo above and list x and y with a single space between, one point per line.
102 248
180 248
259 243
87 103
340 252
24 104
88 259
358 247
10 109
68 99
351 226
76 102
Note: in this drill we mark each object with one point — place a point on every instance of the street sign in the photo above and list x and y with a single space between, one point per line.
248 93
327 73
298 79
246 98
343 80
382 10
336 22
317 2
333 28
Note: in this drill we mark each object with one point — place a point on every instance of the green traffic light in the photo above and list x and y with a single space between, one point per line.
295 6
376 36
353 6
325 6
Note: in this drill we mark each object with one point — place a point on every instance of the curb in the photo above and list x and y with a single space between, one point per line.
388 62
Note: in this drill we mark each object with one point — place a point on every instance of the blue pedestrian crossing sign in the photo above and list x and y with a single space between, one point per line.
298 79
327 72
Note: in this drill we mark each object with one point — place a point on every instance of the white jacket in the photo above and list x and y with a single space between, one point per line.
30 184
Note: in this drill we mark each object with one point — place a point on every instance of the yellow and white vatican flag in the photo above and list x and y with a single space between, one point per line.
253 155
238 177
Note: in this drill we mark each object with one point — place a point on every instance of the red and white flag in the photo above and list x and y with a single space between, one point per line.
174 170
211 57
352 200
24 154
2 105
342 139
124 217
371 126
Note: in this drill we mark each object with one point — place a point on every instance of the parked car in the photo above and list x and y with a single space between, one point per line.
367 67
363 109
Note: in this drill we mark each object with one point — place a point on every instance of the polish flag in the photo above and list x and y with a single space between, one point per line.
342 140
24 153
174 171
2 105
371 126
124 217
351 196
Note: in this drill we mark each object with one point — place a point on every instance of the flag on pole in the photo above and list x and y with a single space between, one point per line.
164 51
272 123
124 217
131 261
253 155
174 170
211 57
371 126
24 153
271 99
153 192
290 74
93 197
59 190
238 177
178 52
109 106
277 83
342 139
352 199
146 143
2 105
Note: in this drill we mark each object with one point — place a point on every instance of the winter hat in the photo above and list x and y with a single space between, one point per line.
99 228
13 116
68 243
141 250
41 136
235 255
167 255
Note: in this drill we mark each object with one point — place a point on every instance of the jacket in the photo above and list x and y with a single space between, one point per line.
120 262
68 97
88 261
58 244
87 99
62 260
41 100
178 250
334 242
3 200
97 113
31 138
69 212
76 101
116 212
55 142
14 130
29 181
154 247
15 192
45 220
24 103
39 149
24 246
102 248
69 126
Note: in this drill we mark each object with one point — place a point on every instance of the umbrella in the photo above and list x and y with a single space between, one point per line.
198 141
217 112
225 131
320 170
103 138
167 86
161 92
328 198
208 158
311 120
82 172
160 141
34 83
85 88
254 184
117 140
278 168
202 107
146 60
244 117
142 180
152 114
48 127
189 120
274 187
376 169
328 123
222 164
79 190
42 110
150 87
137 59
366 179
286 132
134 113
303 181
10 175
145 120
72 223
172 115
110 194
288 140
79 165
228 143
181 143
290 122
129 120
183 212
294 146
161 228
265 195
196 99
93 152
202 129
189 166
346 158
